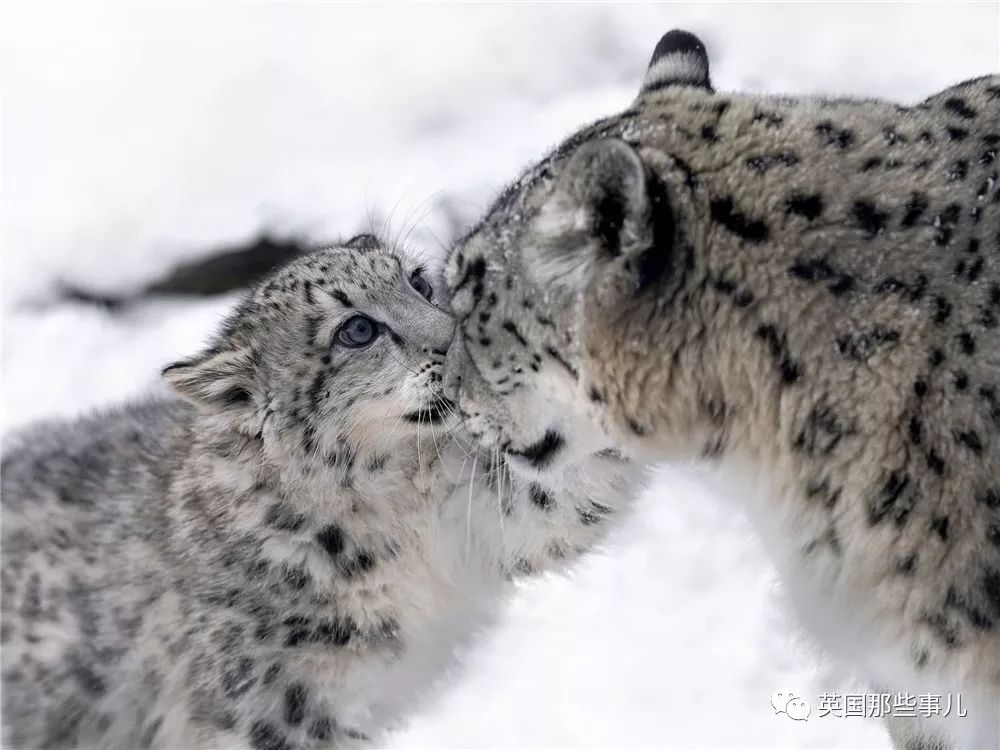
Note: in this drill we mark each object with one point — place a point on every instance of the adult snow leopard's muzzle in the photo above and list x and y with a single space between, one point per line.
477 404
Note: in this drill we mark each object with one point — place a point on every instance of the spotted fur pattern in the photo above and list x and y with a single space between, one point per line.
804 296
287 557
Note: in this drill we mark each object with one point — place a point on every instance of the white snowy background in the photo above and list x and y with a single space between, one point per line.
134 137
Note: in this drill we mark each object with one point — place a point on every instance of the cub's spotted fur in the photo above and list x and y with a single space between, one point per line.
804 293
286 558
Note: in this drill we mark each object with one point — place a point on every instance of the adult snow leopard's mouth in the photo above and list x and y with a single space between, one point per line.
433 413
541 453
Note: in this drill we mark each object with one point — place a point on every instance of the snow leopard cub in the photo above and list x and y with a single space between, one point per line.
286 557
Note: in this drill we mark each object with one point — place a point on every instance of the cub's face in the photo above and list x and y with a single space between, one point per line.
343 348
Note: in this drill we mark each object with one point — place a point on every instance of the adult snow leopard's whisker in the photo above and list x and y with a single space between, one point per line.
437 450
499 486
420 462
436 239
461 471
456 431
468 511
491 471
430 426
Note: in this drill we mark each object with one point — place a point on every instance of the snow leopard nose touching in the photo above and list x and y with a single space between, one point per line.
340 353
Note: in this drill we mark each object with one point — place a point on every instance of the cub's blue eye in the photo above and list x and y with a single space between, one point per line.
419 283
358 331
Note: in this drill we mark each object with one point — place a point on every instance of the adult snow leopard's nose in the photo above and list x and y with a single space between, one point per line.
479 407
462 382
455 363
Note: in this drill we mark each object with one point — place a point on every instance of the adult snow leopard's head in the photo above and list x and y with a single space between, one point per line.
338 352
587 227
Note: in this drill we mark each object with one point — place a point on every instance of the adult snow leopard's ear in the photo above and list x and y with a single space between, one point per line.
218 380
679 59
600 210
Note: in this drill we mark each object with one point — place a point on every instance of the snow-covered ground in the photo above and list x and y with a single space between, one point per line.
134 137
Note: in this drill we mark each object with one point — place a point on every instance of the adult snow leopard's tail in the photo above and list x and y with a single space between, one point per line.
225 270
236 267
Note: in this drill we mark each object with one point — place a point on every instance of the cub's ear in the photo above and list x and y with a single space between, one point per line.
364 242
678 60
217 380
599 210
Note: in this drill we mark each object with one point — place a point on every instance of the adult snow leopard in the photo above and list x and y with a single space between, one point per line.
803 293
287 556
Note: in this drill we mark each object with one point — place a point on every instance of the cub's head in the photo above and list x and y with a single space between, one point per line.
339 352
579 235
